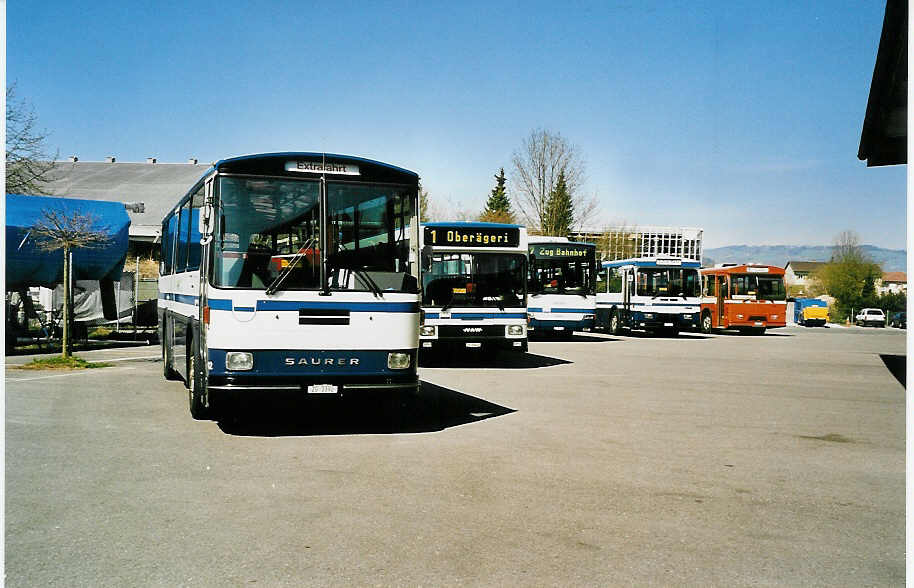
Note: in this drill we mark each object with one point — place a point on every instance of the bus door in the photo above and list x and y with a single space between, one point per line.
628 289
723 288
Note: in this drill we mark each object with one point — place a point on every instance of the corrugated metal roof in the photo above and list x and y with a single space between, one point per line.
158 185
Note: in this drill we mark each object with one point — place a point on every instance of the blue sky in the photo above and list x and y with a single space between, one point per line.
743 118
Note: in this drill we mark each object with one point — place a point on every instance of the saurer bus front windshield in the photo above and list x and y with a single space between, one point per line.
474 279
667 282
271 226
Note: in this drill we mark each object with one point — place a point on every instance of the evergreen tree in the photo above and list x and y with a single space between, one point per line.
558 214
498 207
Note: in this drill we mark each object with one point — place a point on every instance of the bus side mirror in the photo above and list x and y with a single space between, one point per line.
426 256
205 222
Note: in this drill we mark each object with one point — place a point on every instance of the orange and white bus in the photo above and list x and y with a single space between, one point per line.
747 297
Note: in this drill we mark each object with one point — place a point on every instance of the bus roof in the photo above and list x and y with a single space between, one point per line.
471 225
746 268
292 154
539 239
654 262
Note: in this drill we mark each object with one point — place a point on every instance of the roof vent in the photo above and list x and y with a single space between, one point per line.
110 159
150 160
192 161
74 159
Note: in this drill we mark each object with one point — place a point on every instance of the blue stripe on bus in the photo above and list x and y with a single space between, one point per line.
315 362
469 316
283 305
183 298
695 304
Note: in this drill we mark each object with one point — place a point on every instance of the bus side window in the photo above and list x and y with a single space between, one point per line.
711 285
615 280
193 252
183 238
169 228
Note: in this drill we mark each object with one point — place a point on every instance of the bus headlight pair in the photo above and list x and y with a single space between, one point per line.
515 330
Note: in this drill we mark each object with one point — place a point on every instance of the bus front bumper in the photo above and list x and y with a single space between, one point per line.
470 344
545 326
654 321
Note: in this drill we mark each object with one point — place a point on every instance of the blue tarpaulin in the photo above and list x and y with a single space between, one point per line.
27 265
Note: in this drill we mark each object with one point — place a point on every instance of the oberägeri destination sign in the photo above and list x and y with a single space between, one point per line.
472 237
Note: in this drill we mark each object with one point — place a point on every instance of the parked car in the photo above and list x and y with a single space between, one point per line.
899 320
870 317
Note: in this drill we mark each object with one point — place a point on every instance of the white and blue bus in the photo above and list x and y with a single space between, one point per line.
656 294
562 285
474 286
291 272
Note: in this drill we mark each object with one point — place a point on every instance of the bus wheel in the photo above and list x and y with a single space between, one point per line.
167 370
706 323
614 323
196 387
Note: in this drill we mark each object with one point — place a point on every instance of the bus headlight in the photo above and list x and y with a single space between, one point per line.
515 330
427 330
397 361
238 361
687 317
648 316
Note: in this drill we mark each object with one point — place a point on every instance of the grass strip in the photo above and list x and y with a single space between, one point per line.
63 363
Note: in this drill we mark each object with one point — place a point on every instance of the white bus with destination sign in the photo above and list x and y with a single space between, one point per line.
561 285
291 273
474 293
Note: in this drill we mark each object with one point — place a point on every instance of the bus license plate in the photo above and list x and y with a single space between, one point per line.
474 345
759 324
559 328
667 324
322 389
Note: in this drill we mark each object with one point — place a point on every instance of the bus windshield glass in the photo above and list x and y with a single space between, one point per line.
561 276
758 287
270 227
475 279
369 238
677 282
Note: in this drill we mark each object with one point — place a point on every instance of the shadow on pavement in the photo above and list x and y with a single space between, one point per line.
896 364
477 359
735 333
435 408
681 336
576 338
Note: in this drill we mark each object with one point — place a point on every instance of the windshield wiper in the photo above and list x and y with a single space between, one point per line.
362 273
372 285
287 271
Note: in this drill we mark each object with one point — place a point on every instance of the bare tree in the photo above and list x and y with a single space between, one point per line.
28 165
57 229
542 158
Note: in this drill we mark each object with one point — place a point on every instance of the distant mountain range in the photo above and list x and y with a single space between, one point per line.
892 260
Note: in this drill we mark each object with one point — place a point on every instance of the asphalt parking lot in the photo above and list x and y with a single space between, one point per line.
719 460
